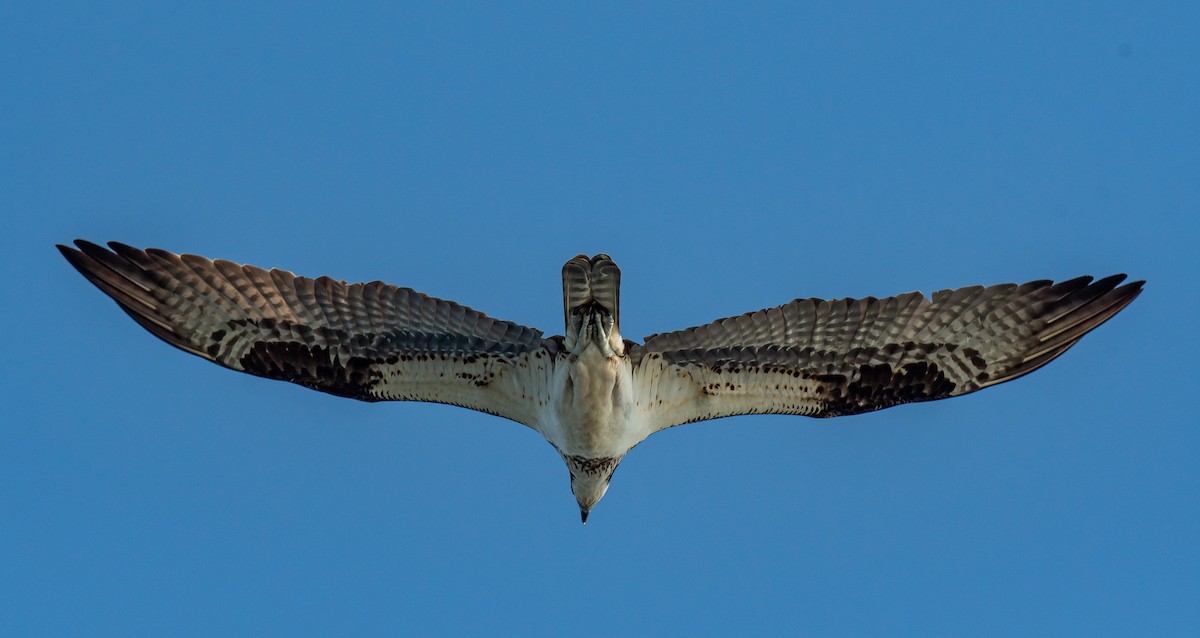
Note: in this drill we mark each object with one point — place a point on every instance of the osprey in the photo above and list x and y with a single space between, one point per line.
591 393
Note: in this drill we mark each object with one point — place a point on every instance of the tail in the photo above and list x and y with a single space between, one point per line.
591 282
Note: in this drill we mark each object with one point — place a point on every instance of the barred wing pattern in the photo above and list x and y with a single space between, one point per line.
371 341
829 358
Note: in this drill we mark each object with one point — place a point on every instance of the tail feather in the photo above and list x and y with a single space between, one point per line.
591 281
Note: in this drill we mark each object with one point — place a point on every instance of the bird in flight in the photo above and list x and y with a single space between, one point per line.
591 393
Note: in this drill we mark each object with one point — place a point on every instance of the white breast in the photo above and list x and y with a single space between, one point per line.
592 411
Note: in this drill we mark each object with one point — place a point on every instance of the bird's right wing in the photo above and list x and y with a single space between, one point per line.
824 358
372 342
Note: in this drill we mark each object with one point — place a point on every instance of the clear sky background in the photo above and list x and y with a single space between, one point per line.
729 158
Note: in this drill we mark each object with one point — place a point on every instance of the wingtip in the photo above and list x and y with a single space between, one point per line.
77 245
95 251
1136 284
1127 291
81 243
75 255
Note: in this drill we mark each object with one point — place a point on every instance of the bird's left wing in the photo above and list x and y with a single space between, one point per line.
826 358
372 341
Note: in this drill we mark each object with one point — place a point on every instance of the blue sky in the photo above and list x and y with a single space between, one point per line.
729 158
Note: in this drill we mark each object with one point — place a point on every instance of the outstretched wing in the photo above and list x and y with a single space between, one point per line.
372 342
831 358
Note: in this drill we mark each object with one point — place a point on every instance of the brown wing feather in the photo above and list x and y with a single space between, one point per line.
846 356
351 340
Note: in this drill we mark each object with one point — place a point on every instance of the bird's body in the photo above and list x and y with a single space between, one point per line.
592 394
593 410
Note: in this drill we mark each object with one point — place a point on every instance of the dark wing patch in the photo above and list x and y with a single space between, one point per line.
874 387
315 367
323 334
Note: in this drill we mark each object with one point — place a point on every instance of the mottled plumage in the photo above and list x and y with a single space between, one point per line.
591 393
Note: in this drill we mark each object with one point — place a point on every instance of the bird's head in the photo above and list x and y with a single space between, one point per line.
590 478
